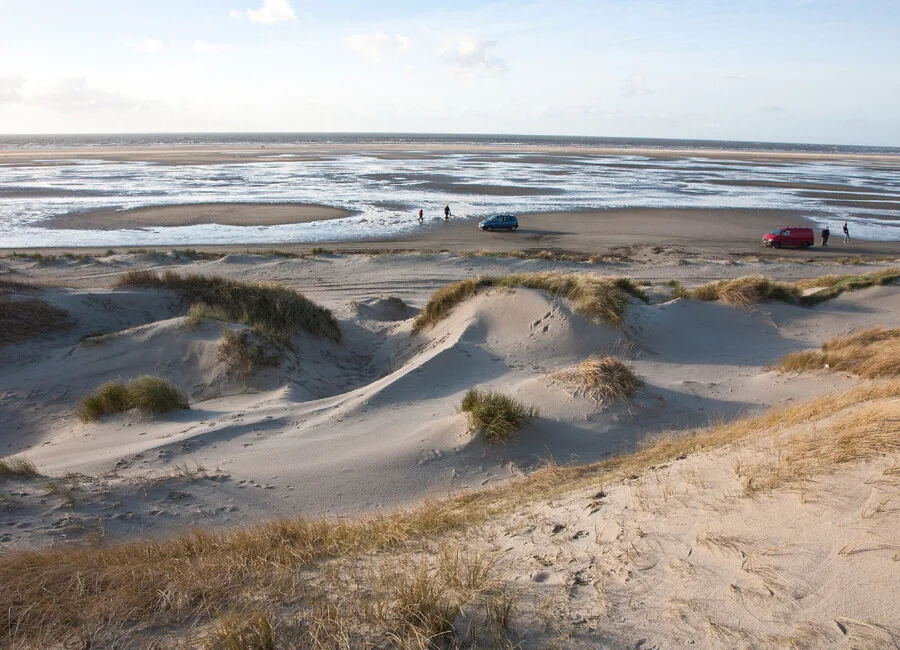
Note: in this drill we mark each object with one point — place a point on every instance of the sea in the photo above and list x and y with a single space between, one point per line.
384 193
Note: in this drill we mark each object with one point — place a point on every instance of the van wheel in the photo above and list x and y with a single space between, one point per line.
514 228
776 244
807 244
490 229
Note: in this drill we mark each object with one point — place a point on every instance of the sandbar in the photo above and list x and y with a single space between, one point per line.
226 214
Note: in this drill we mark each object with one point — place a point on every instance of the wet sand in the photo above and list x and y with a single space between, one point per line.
206 155
685 231
226 214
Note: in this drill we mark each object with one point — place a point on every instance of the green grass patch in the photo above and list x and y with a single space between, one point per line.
599 298
148 394
499 416
268 307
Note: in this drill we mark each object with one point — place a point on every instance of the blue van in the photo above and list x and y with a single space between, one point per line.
500 222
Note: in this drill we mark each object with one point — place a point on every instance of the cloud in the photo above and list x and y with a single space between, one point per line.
210 48
148 46
635 85
76 95
471 56
271 12
376 47
773 109
11 90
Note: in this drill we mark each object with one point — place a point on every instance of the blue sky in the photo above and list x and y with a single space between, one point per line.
795 70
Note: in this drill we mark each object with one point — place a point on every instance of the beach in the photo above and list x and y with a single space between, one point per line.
319 423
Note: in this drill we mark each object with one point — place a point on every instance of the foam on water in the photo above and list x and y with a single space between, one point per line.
385 194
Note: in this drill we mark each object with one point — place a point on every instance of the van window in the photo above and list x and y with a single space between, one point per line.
786 233
777 231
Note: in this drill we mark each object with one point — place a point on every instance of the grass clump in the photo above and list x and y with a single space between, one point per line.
599 298
605 379
21 320
497 415
750 290
243 355
871 353
831 286
745 291
16 466
236 631
269 307
148 394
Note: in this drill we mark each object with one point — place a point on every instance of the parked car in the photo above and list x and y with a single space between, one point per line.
797 236
500 222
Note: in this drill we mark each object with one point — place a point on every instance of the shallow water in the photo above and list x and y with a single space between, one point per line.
385 194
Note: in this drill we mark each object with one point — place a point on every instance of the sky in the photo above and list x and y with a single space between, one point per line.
819 71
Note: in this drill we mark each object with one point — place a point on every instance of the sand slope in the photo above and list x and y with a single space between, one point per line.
373 423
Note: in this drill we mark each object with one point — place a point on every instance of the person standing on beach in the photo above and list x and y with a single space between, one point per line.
846 234
446 213
825 235
421 215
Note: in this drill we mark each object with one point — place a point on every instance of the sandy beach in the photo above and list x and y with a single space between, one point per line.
723 499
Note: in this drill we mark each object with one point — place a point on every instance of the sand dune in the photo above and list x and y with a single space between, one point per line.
372 424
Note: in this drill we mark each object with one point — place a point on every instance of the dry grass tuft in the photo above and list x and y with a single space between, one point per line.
833 285
243 354
497 415
871 353
16 466
745 291
268 307
241 632
604 379
21 320
854 434
751 290
148 394
602 299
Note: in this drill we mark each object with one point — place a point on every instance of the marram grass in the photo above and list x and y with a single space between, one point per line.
148 394
498 416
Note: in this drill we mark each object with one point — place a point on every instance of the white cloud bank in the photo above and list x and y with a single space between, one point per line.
377 47
147 46
471 56
271 12
210 48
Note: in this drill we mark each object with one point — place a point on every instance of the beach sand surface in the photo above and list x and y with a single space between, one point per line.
195 214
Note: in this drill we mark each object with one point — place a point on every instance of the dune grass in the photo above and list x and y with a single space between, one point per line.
605 379
95 595
833 285
870 353
148 394
497 415
269 307
599 298
243 355
17 467
22 320
750 290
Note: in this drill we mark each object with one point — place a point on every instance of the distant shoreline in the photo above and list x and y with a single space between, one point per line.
243 153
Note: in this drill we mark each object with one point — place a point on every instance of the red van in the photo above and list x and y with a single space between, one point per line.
798 236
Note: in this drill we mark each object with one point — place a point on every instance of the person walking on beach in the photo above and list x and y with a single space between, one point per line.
825 235
846 234
421 215
446 213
